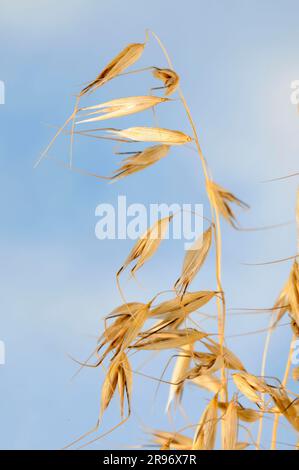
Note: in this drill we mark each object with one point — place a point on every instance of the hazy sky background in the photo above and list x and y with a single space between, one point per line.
236 60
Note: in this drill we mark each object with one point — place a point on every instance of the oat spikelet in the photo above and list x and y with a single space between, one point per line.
172 440
213 364
153 134
119 107
169 339
288 300
230 427
207 381
287 407
127 57
141 160
296 373
136 322
193 261
222 199
250 386
119 373
231 361
169 78
205 434
147 245
293 292
177 385
248 415
129 318
189 303
125 380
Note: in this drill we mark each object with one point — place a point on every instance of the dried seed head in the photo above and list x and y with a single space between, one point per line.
286 406
250 386
169 78
247 415
209 382
119 373
130 318
189 303
221 199
141 160
169 339
177 384
205 434
153 134
135 324
296 373
230 426
193 261
125 380
127 57
120 107
293 292
128 309
288 300
147 245
231 361
172 440
207 368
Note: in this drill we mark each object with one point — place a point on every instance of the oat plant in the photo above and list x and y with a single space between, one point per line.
201 358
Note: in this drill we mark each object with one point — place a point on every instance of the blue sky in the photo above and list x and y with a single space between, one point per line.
236 60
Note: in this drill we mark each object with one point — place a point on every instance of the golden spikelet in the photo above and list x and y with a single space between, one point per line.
130 318
214 364
169 78
295 373
119 107
230 426
141 160
221 199
189 303
248 415
288 300
169 339
112 336
153 134
286 406
147 245
177 384
293 292
127 57
125 380
119 373
207 381
136 322
172 440
231 361
250 386
194 259
179 310
205 434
